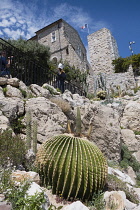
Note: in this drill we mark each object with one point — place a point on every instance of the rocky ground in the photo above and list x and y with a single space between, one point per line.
114 122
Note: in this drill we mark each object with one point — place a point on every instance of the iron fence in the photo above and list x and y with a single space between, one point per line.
31 72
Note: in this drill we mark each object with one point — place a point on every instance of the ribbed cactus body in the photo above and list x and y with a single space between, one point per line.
74 167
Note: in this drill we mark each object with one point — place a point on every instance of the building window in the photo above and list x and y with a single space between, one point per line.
54 60
53 37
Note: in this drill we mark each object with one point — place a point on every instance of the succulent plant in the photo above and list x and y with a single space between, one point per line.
74 167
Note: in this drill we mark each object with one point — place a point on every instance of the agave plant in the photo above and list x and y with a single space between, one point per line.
74 167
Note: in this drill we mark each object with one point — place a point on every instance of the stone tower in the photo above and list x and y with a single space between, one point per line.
102 50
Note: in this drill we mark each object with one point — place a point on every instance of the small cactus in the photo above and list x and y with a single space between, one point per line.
78 122
34 133
28 129
74 167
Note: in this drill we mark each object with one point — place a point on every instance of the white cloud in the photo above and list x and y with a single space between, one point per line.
18 18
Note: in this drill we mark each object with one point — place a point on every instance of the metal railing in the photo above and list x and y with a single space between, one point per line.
31 72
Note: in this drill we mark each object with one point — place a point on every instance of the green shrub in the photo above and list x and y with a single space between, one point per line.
128 159
12 149
116 184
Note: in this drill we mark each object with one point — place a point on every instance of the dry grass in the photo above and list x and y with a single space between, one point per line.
64 105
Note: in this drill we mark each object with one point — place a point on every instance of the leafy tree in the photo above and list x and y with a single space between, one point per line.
122 64
35 50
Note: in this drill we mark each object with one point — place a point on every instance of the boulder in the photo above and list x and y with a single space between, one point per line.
4 122
1 93
21 176
128 138
3 81
12 107
13 82
121 175
76 206
114 200
105 128
39 91
131 116
74 99
13 92
50 118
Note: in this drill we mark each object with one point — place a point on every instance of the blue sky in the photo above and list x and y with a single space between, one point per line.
121 17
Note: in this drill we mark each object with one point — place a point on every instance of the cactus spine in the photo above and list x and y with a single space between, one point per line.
74 167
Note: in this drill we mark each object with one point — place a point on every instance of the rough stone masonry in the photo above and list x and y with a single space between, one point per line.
102 50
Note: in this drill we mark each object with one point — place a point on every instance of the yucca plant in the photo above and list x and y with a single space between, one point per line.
74 167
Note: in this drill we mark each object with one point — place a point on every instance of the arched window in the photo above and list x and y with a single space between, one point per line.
54 60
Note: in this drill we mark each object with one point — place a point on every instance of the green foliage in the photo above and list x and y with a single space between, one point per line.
4 90
74 167
17 125
52 207
35 50
97 202
137 132
128 159
116 184
24 93
122 64
12 149
17 194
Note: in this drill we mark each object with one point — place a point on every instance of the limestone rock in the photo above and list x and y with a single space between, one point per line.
13 82
1 93
75 206
49 87
75 99
128 138
12 107
13 92
114 200
105 128
131 174
39 91
131 116
21 176
51 120
4 122
120 175
3 81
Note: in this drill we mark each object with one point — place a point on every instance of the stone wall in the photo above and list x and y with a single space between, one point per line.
102 50
125 81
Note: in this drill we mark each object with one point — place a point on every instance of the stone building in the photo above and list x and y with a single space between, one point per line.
102 50
64 42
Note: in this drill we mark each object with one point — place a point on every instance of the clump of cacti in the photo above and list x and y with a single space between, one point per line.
74 167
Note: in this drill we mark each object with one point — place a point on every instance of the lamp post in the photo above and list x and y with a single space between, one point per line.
130 47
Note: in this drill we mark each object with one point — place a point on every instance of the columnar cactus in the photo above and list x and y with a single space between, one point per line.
74 167
28 129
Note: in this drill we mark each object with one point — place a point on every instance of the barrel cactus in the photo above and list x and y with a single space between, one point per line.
74 167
